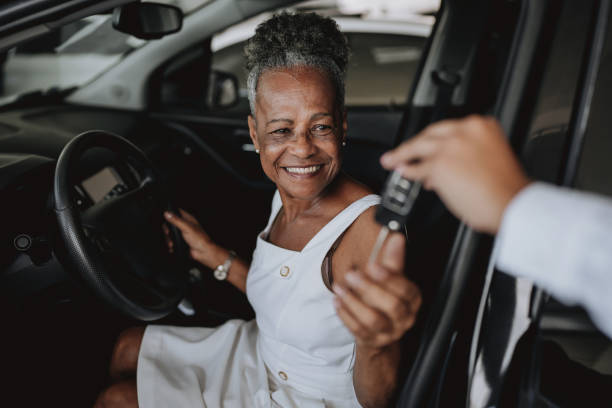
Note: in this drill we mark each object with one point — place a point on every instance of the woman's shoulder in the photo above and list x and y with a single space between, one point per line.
350 190
360 236
357 243
355 193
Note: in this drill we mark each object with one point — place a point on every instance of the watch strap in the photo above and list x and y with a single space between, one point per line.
222 270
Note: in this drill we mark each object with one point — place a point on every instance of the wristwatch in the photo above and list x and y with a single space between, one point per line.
221 271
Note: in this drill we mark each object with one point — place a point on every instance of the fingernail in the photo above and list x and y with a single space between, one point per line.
338 289
167 214
353 278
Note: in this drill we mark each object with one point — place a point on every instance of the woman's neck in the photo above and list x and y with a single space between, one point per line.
293 208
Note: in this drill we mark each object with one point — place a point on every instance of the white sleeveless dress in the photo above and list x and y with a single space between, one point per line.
296 353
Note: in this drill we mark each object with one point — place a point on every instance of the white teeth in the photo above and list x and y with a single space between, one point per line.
303 170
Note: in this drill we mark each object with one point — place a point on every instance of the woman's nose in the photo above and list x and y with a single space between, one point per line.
303 145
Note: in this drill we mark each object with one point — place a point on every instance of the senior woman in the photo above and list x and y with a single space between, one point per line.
327 323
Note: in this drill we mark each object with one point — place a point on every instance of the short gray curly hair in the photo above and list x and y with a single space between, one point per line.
289 40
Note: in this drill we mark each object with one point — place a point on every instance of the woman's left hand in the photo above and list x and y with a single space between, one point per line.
380 305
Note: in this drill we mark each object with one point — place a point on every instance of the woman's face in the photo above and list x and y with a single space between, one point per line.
298 130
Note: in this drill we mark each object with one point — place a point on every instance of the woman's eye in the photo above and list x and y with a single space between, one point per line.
281 131
322 130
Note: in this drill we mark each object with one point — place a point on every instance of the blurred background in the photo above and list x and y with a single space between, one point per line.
79 52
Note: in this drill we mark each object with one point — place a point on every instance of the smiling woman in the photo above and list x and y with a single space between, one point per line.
323 336
298 130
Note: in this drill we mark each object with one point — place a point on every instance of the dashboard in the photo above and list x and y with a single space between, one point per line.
30 251
28 225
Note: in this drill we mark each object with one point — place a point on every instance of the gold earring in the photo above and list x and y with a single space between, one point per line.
257 151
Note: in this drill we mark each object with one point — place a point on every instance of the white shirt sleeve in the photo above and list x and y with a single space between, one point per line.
561 239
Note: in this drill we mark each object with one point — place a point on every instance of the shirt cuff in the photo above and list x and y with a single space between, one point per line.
561 240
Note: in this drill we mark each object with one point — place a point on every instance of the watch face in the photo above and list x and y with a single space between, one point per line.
220 274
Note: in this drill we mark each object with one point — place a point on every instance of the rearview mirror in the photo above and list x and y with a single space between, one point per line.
222 90
148 20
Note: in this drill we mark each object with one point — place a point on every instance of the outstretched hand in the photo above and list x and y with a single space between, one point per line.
380 304
468 163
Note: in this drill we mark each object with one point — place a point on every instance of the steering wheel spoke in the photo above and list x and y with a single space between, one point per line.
97 239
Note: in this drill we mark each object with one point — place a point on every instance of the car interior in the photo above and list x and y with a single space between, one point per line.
83 254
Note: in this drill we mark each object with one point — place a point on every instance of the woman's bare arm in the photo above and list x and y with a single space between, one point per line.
378 304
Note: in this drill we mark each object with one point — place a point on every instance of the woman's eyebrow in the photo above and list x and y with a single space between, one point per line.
320 114
279 120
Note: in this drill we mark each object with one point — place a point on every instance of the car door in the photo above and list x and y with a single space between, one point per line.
498 49
529 349
566 360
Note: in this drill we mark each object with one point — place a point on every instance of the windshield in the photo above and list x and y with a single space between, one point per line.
71 56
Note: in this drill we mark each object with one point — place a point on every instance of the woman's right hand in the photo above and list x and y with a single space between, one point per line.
201 247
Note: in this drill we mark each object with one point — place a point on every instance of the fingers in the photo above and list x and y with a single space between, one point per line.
188 216
392 255
361 332
420 147
365 316
177 221
393 283
410 152
395 297
368 324
169 241
372 293
380 305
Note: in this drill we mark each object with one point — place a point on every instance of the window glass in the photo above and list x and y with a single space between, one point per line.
381 68
385 49
72 55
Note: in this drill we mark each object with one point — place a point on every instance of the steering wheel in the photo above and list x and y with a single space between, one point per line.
117 245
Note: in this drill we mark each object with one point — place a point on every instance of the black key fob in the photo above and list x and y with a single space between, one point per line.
399 196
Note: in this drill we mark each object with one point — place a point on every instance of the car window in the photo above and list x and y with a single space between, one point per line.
386 46
380 70
71 55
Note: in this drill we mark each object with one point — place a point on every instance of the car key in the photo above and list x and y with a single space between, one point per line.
399 196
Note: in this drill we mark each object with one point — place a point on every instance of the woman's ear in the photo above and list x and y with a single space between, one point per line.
253 132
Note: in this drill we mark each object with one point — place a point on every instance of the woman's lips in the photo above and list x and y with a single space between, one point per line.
303 171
